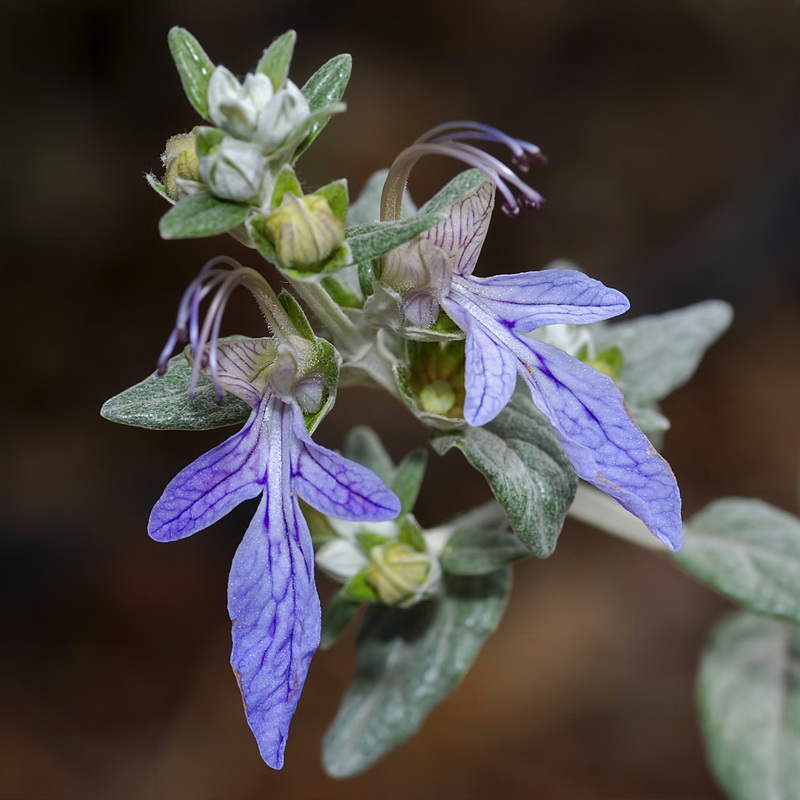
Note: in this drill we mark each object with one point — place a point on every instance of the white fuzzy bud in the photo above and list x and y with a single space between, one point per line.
235 170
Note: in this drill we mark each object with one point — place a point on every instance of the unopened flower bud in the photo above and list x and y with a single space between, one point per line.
284 114
235 107
182 165
234 170
254 111
397 572
304 231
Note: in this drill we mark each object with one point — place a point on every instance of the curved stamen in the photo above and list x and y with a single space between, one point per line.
209 336
186 329
221 275
529 197
522 152
494 169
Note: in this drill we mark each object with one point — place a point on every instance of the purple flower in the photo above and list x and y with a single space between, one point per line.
587 411
272 599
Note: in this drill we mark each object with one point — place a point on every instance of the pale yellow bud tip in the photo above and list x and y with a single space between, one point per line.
437 398
397 571
181 162
304 231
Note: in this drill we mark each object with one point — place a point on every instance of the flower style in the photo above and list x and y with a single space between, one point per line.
585 408
272 599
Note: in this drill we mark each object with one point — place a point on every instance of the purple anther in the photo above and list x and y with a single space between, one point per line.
522 162
531 199
460 130
448 139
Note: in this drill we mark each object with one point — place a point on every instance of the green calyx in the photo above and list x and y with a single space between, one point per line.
434 382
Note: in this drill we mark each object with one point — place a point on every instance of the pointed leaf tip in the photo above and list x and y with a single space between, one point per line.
194 67
277 59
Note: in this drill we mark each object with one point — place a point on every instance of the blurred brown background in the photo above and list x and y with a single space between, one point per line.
671 130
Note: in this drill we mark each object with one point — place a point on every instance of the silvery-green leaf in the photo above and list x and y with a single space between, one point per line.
323 89
465 183
407 662
336 616
259 235
201 215
374 240
296 314
749 551
525 467
407 479
662 352
277 58
285 182
473 551
364 446
337 196
749 705
194 67
158 187
342 290
162 403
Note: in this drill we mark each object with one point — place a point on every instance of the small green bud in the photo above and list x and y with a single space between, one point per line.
434 386
397 572
437 398
181 163
304 231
